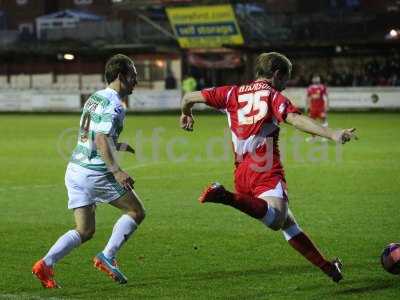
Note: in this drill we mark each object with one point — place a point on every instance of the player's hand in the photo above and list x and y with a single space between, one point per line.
124 179
186 122
344 135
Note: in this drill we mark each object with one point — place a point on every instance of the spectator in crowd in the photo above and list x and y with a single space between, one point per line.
201 84
170 81
394 80
375 72
189 84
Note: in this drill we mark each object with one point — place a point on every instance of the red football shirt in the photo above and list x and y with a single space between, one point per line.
317 92
254 112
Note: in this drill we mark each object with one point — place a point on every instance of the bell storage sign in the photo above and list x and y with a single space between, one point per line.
205 26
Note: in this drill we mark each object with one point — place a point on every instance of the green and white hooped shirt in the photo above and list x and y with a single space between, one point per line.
103 112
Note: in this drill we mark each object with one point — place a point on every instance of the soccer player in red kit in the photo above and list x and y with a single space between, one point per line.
317 101
254 112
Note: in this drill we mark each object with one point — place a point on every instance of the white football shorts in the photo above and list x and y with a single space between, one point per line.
86 187
278 192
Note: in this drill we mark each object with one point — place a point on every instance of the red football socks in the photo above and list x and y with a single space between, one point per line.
257 208
252 206
306 247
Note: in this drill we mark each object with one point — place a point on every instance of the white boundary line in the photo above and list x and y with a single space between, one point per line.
24 187
30 297
156 177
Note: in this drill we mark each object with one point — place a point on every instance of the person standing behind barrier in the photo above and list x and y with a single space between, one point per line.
170 81
317 103
189 84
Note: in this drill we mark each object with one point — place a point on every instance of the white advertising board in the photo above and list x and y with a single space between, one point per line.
159 100
32 100
147 100
352 98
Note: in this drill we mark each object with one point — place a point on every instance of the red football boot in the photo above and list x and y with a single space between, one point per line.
336 271
45 274
215 193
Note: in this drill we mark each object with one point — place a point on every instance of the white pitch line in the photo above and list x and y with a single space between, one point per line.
24 187
165 162
147 165
30 297
156 177
185 175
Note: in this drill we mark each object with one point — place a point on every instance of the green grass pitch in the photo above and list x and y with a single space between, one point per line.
347 199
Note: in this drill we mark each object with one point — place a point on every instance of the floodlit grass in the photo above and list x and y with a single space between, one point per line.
347 199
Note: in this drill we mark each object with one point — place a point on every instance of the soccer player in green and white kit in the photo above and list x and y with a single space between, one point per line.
93 175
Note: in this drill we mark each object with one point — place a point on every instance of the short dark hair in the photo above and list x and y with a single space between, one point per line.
268 63
118 63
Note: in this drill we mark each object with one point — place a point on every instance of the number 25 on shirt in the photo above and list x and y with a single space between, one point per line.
255 107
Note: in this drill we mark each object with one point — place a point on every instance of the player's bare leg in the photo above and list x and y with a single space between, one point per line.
85 227
303 244
85 221
133 215
131 205
277 212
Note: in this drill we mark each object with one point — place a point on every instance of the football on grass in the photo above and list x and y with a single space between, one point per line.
390 258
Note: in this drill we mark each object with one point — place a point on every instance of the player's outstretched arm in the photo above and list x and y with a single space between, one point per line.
308 125
188 100
104 147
